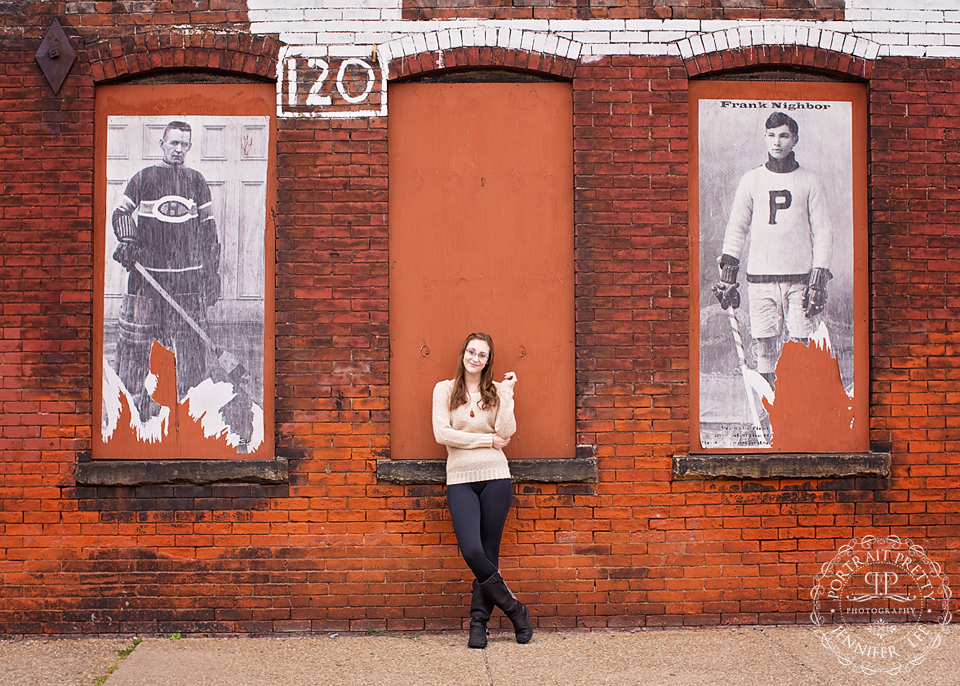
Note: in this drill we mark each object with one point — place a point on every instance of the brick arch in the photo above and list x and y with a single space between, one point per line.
814 49
143 53
517 49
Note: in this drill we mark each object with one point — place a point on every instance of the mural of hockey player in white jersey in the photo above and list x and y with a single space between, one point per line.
165 223
783 209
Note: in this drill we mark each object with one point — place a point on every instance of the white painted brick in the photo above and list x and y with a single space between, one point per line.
686 49
433 43
849 42
952 40
826 39
503 37
571 25
892 38
575 50
298 38
385 53
720 40
606 49
276 15
773 34
629 36
324 15
713 26
916 39
361 14
696 45
654 49
684 25
516 38
527 42
540 43
419 43
589 25
733 38
666 36
490 37
351 50
479 36
813 36
407 46
643 24
592 37
672 50
802 35
551 45
836 44
873 51
563 46
756 35
709 45
860 47
912 51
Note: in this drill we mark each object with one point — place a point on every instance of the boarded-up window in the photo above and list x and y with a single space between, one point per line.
183 352
481 239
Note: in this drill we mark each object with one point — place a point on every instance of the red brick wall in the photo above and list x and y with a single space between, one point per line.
810 10
335 550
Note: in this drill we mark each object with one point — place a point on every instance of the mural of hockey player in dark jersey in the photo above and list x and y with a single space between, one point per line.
165 223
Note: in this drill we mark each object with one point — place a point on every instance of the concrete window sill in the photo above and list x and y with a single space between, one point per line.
579 469
781 466
196 472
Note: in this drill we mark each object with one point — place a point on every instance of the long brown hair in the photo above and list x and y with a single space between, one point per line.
488 392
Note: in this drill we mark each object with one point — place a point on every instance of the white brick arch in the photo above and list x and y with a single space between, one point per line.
778 34
508 38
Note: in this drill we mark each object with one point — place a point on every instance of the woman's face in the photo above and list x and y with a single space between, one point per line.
475 356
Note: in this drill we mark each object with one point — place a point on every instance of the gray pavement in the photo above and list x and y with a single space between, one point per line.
777 656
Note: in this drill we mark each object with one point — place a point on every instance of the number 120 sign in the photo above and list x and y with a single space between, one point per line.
331 81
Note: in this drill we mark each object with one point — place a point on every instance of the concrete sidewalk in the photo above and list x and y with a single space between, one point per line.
775 656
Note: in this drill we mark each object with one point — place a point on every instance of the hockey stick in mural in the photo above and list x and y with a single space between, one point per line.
235 371
752 381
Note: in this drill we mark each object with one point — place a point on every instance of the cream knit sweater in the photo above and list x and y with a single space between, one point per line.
469 440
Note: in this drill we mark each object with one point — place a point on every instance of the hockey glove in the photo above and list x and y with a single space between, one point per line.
127 253
727 289
815 294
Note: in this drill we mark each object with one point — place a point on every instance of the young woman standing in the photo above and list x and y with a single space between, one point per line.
473 418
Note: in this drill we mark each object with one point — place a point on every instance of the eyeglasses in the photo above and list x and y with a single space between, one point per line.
473 353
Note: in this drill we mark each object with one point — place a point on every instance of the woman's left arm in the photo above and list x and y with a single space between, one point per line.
506 424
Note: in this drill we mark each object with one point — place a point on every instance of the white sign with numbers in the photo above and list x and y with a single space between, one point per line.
336 81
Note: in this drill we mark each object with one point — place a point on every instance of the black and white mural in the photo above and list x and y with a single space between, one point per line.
184 269
775 253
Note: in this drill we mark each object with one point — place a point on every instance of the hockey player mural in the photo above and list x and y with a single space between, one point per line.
776 277
165 227
183 329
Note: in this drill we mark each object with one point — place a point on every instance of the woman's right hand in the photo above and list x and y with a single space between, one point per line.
500 443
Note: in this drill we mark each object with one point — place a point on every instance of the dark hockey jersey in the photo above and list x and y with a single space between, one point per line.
175 228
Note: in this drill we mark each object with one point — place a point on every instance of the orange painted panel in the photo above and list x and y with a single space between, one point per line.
226 415
820 400
481 239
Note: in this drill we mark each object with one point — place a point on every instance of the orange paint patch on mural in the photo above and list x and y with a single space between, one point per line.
174 431
811 408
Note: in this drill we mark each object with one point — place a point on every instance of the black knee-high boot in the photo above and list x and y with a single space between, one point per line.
496 590
480 608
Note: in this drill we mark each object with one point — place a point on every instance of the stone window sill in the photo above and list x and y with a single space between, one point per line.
196 472
781 466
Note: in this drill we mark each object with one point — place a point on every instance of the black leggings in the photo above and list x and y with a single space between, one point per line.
479 511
